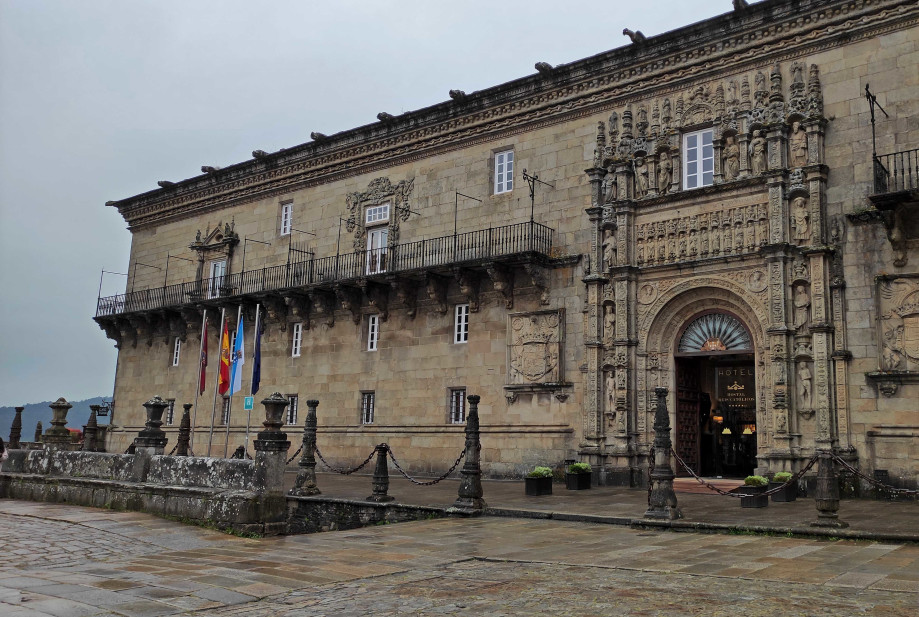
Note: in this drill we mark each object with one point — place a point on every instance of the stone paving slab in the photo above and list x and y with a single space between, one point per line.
493 566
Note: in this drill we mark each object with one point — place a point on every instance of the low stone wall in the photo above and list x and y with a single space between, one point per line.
315 514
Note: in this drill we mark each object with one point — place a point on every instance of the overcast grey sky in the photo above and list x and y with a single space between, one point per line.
99 99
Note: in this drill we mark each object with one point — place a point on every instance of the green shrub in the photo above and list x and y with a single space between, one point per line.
540 472
755 481
579 468
782 476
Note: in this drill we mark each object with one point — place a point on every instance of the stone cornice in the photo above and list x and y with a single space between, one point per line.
768 31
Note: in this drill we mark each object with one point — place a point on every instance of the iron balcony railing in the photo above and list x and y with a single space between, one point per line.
520 238
896 172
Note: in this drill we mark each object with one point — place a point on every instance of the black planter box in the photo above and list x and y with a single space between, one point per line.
577 481
538 486
755 499
789 493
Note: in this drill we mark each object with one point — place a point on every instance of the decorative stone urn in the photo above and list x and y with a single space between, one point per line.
152 436
58 436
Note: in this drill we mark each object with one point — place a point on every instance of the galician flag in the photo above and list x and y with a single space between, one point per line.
257 359
239 359
223 378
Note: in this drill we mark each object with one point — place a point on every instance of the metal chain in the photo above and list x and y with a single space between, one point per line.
793 479
295 454
432 482
171 452
343 471
190 453
873 481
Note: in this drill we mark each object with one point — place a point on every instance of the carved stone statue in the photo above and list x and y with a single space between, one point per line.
731 158
609 322
614 123
610 188
802 304
798 144
609 251
891 358
758 153
641 177
664 173
805 386
801 217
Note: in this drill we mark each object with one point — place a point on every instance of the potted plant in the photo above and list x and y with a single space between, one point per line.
789 492
539 481
577 476
753 487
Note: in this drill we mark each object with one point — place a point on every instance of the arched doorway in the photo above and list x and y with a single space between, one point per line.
716 396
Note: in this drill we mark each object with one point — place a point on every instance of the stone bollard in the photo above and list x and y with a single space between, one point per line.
38 432
306 474
16 430
470 502
827 493
662 502
271 448
183 442
58 437
151 440
91 430
381 476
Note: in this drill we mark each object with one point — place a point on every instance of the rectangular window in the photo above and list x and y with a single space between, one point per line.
504 171
458 406
368 403
377 214
698 159
170 411
292 408
296 341
217 273
373 332
287 213
225 416
176 349
376 250
461 324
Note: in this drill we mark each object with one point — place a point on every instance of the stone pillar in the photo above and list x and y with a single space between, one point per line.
58 437
661 497
183 443
381 476
306 475
470 502
38 432
827 493
16 430
271 447
91 430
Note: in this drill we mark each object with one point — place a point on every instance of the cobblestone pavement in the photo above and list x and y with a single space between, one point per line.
134 564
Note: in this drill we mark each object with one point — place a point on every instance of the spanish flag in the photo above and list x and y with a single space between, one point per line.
223 378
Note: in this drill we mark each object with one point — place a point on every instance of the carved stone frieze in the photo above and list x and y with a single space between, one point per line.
535 347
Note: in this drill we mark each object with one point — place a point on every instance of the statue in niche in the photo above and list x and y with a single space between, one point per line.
801 217
758 153
731 158
610 189
891 358
610 392
805 386
609 251
664 173
802 304
798 145
614 123
609 321
641 177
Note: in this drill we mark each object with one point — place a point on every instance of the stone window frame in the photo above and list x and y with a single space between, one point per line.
169 416
685 161
285 225
493 170
176 351
368 407
296 341
461 324
293 408
456 399
373 332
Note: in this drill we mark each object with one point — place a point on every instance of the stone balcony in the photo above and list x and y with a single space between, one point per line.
319 286
896 198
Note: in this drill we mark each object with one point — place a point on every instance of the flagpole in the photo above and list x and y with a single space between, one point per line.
255 349
191 438
226 439
210 437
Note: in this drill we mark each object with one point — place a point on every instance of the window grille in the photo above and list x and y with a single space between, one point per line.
458 406
368 405
292 408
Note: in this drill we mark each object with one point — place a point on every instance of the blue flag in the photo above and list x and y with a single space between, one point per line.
239 358
257 360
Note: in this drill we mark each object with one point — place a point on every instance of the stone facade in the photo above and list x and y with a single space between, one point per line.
577 314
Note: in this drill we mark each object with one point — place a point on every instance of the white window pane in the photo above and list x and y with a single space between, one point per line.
707 178
692 168
692 141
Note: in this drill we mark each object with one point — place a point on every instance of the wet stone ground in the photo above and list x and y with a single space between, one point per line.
72 562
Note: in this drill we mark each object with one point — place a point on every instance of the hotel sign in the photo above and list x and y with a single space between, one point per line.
736 386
